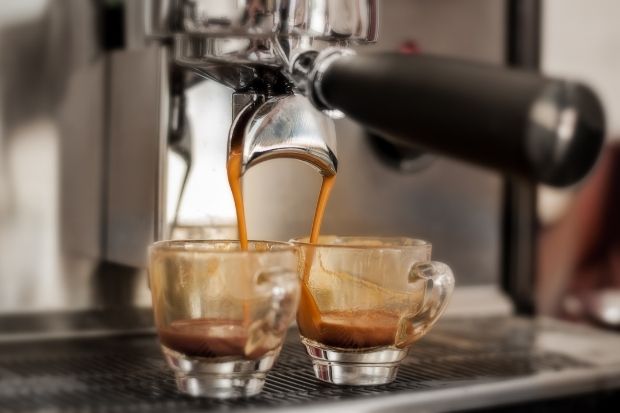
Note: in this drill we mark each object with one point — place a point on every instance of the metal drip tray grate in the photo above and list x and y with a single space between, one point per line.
129 374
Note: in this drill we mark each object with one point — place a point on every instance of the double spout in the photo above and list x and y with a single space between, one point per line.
282 126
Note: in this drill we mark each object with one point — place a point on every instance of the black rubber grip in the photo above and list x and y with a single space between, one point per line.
518 122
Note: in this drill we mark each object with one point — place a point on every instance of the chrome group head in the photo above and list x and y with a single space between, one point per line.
269 52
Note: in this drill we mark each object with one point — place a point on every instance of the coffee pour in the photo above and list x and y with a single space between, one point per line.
279 127
292 68
283 58
283 127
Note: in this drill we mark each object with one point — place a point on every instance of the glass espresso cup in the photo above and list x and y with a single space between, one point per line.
222 313
364 301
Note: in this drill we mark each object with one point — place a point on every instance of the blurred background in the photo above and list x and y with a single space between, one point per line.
577 244
80 161
106 146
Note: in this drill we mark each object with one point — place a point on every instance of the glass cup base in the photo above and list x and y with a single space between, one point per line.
220 387
220 377
355 367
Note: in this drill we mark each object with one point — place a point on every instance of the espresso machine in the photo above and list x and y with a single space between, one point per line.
115 124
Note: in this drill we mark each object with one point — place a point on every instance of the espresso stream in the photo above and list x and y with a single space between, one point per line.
208 338
308 313
335 328
233 169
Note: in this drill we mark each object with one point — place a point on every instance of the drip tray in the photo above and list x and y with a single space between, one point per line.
129 374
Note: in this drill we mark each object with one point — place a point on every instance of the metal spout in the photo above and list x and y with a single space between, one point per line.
284 126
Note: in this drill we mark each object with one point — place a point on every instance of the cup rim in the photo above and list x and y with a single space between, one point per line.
194 245
390 243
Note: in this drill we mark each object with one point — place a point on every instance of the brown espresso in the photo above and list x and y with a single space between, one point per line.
343 329
357 329
209 338
233 168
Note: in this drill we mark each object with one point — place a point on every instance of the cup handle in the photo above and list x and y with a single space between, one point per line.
438 285
284 293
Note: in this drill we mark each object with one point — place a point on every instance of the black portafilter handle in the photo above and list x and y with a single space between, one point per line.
518 122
